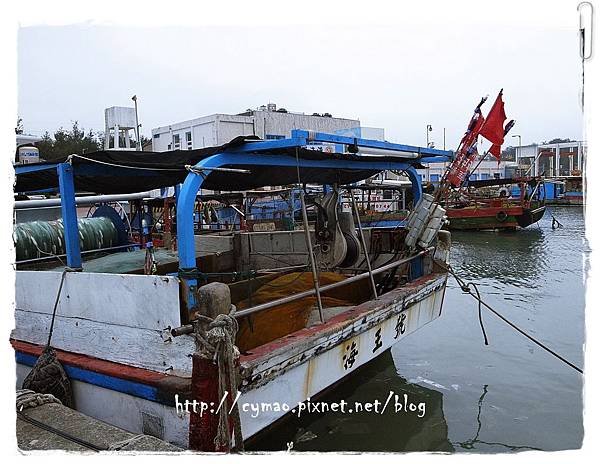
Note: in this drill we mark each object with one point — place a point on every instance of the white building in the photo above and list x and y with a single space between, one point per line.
552 160
487 169
267 122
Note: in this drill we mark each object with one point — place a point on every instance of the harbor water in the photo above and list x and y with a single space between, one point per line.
508 396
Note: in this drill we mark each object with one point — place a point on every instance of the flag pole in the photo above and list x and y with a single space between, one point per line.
508 127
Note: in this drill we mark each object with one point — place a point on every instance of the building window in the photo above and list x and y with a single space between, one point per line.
156 136
176 142
496 175
188 140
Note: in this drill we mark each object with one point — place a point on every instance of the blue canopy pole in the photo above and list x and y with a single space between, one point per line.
69 214
177 190
415 179
193 182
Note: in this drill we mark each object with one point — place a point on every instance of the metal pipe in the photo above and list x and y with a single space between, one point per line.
363 244
386 152
46 258
88 200
189 328
311 256
183 330
298 296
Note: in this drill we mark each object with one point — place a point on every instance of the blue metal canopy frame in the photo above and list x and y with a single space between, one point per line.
253 153
66 188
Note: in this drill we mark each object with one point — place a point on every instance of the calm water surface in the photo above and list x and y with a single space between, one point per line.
505 397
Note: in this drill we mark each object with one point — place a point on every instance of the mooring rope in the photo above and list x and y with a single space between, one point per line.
134 439
60 287
48 374
217 341
29 399
465 287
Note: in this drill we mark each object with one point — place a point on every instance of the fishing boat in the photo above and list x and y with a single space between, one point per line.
564 190
496 204
490 204
210 339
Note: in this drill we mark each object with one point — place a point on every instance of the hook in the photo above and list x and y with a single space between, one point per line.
585 52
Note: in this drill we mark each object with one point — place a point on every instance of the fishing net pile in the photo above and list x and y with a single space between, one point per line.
276 322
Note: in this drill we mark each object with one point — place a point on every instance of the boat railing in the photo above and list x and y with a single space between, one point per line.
189 328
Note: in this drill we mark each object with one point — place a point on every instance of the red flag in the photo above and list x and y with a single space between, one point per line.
495 150
493 127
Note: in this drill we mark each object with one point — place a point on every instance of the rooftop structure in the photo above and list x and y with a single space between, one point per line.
118 121
552 159
267 122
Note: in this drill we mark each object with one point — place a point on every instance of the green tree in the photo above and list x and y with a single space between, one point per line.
67 142
558 140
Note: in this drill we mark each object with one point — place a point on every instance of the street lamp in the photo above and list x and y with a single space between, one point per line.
428 130
518 155
138 147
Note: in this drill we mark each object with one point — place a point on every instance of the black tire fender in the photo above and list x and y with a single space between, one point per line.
501 216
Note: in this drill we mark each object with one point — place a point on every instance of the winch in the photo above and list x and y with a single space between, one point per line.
41 239
335 234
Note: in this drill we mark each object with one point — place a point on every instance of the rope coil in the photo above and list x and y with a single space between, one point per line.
29 399
215 339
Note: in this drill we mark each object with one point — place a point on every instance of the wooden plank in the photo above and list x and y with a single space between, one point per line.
149 349
147 302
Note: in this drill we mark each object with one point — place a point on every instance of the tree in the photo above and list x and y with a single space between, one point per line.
509 154
558 140
19 128
68 142
146 143
132 142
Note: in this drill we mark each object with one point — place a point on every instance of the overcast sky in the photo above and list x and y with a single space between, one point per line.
398 78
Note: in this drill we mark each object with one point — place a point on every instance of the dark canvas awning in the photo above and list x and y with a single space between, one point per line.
119 171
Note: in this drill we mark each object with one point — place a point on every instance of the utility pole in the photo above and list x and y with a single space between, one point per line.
518 155
428 130
138 147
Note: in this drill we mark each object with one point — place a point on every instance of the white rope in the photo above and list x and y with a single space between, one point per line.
106 163
199 170
120 445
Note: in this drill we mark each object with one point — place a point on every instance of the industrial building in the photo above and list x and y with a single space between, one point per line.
267 122
552 159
